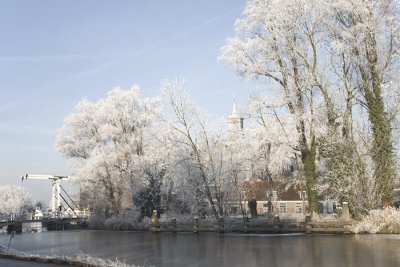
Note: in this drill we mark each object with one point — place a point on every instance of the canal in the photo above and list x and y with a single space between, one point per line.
211 249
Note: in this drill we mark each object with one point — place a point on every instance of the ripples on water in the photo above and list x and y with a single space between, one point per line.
211 249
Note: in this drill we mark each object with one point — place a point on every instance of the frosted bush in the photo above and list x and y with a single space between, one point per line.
128 222
87 259
380 221
80 259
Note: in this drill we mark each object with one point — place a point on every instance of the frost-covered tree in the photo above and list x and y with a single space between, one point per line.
14 198
324 58
105 139
272 138
272 142
366 35
278 41
349 172
238 168
201 146
153 171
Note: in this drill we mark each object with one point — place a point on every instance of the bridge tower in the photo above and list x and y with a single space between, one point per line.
55 192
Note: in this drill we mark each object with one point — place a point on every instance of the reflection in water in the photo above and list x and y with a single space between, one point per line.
211 249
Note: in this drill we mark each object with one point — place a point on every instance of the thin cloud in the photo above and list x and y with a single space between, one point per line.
44 58
153 46
26 129
120 59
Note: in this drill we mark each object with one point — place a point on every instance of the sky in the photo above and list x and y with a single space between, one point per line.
55 53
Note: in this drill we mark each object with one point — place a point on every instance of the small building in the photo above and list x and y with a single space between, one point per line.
37 214
278 198
286 199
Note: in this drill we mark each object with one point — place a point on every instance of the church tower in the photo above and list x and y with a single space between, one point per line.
235 123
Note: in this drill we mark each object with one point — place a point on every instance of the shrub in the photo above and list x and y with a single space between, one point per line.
380 221
130 221
97 222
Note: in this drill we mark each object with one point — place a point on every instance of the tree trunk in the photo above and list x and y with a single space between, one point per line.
308 156
382 154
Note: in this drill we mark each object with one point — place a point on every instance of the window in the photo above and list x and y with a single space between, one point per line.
298 208
272 195
234 210
282 207
265 207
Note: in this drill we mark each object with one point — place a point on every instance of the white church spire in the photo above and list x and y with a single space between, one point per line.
235 122
234 110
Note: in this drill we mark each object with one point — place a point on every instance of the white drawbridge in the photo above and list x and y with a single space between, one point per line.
55 193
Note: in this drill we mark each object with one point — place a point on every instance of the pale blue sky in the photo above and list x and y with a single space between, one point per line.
54 53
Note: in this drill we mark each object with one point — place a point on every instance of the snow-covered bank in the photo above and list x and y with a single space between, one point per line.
386 221
81 259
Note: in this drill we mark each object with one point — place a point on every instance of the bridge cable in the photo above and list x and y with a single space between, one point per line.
69 206
69 197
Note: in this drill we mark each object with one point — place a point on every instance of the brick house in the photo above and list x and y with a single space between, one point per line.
286 199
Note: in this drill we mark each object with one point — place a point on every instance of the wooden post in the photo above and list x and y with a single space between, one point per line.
155 226
221 229
309 228
276 223
345 211
11 237
195 225
308 224
173 225
246 224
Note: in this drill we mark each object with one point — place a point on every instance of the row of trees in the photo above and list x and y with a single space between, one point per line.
128 152
327 117
14 198
335 67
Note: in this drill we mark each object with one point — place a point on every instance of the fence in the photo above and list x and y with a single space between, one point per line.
224 225
256 225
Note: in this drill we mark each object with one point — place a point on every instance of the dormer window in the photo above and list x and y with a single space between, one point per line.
272 195
302 195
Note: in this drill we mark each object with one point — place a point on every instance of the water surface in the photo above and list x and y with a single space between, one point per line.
211 249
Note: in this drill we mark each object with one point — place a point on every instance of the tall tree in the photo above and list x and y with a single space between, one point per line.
366 33
201 144
273 138
106 138
14 198
337 54
153 171
278 41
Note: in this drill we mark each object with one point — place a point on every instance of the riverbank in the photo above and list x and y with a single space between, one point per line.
324 225
80 260
386 221
382 221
